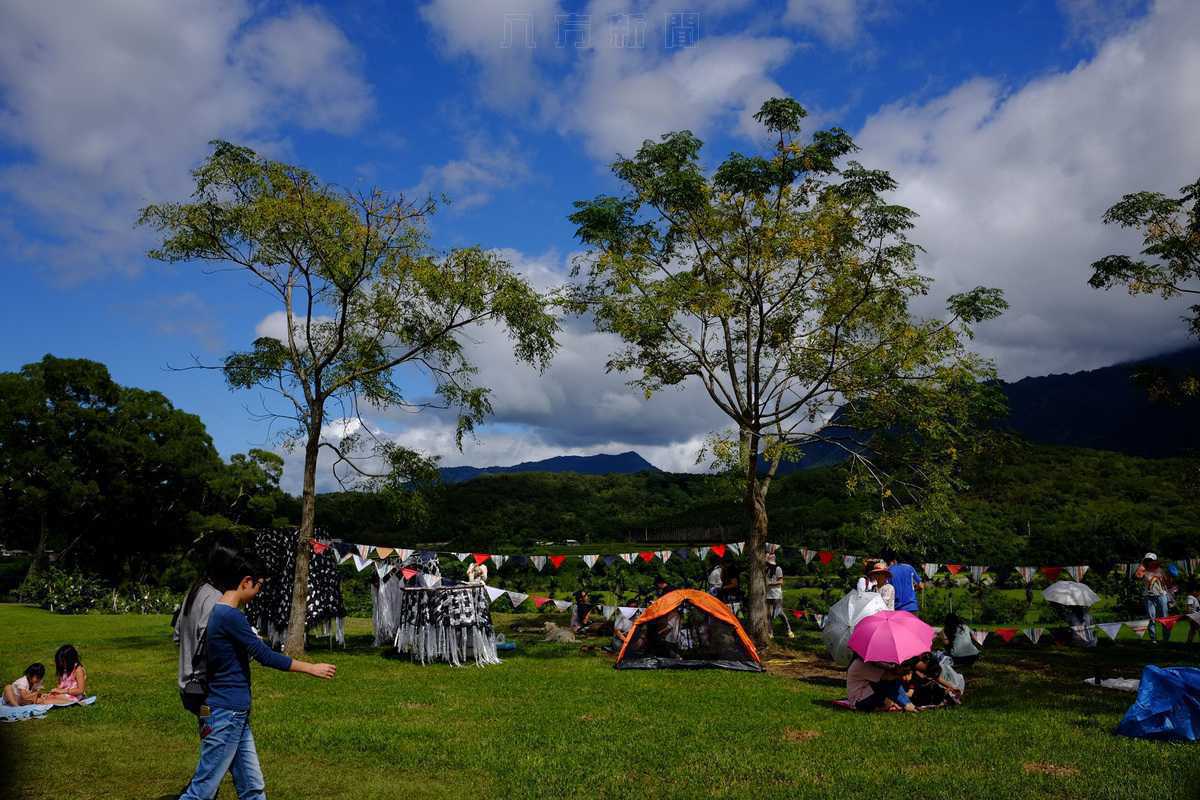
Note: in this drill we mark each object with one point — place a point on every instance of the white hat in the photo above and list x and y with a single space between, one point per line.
1149 557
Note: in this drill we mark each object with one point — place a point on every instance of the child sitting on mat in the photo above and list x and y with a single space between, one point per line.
72 677
870 687
27 689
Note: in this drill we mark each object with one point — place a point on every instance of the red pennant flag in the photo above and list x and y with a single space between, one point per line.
319 547
646 556
718 550
557 561
1051 573
409 573
540 601
798 614
480 557
825 556
954 568
1169 622
1005 633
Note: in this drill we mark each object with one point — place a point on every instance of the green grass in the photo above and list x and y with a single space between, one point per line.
552 722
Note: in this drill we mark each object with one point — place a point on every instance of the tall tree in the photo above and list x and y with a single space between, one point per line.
367 304
781 283
1169 267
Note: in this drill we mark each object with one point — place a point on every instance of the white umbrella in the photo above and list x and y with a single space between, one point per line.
1070 593
841 619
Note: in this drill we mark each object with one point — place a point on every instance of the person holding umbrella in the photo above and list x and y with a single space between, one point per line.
883 644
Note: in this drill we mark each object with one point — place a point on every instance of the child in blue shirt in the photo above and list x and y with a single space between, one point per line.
226 743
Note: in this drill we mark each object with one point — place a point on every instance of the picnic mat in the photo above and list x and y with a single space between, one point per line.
21 713
844 704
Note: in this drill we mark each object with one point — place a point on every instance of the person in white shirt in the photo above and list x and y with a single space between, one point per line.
477 573
881 579
775 593
714 580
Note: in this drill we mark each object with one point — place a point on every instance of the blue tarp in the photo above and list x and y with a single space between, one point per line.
1167 705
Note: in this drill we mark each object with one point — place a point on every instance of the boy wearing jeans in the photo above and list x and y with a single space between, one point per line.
226 743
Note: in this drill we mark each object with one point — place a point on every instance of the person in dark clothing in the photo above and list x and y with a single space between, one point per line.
226 743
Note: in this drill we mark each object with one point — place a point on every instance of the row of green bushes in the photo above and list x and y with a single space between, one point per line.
76 592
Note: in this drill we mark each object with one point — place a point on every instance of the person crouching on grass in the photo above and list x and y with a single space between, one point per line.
226 743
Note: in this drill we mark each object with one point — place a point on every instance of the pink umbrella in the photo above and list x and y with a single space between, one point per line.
891 637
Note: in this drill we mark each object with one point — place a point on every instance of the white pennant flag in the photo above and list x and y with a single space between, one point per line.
664 555
562 605
430 581
499 561
929 569
628 557
538 561
807 554
608 611
820 618
590 560
1138 626
364 550
736 547
403 553
848 561
979 636
361 562
1033 634
493 593
977 573
627 611
382 568
345 557
1027 573
461 556
1078 572
701 553
516 598
1111 628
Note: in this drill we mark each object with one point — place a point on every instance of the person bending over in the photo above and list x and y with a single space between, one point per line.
870 687
27 689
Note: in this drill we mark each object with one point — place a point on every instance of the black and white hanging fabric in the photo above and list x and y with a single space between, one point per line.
446 623
420 569
270 610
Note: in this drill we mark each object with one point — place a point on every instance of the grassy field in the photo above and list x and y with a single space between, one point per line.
555 722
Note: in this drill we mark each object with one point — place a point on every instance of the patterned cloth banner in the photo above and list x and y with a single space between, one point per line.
557 561
590 560
929 569
1138 626
976 574
516 598
539 562
848 561
1033 634
1077 572
1006 634
979 637
1110 628
1026 573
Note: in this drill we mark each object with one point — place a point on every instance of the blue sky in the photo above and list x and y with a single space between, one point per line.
1010 126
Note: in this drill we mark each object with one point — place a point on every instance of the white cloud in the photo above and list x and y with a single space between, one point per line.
110 105
838 22
1096 20
1011 185
488 164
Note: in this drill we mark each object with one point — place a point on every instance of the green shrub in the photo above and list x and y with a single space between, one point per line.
996 608
63 592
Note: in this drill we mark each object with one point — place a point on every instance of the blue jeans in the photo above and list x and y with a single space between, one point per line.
226 745
884 690
1156 607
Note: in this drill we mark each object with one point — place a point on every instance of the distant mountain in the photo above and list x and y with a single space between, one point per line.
599 464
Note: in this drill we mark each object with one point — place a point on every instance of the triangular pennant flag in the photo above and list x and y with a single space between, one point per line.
1169 622
977 573
361 562
499 560
610 560
929 569
493 593
979 636
516 598
807 554
627 611
1006 634
480 557
538 602
557 561
665 555
682 552
461 556
848 561
701 553
820 618
590 560
718 550
384 552
1138 626
736 547
431 581
798 614
646 556
382 568
319 547
628 557
1078 572
608 611
363 550
562 605
825 556
1026 573
1052 573
1033 634
403 553
954 569
344 557
538 562
1110 628
409 573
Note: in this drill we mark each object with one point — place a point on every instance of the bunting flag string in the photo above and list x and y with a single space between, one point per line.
665 555
590 561
499 560
557 561
1138 626
1026 573
979 637
848 561
516 598
807 554
702 553
825 556
718 550
977 573
361 562
384 552
539 562
1110 628
1077 572
1051 573
1006 634
461 556
480 557
1033 634
929 569
954 569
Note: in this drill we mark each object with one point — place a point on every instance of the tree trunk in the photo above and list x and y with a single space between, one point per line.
297 622
39 555
756 545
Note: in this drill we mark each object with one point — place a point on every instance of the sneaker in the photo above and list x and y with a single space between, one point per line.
791 635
